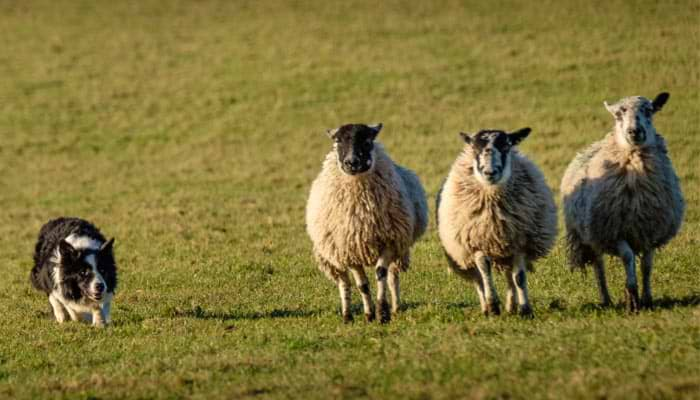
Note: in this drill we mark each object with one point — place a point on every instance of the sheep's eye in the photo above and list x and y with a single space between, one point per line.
623 109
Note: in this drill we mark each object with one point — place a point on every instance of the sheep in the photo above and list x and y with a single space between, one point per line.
363 209
495 209
622 197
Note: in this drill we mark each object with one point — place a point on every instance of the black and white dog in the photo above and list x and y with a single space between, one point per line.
75 267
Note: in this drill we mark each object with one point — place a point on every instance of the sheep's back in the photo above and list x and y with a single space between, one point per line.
416 197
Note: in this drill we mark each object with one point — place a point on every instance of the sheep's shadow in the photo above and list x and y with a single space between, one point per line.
461 305
661 303
666 302
200 313
357 309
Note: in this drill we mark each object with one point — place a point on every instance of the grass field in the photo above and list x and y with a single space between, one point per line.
191 132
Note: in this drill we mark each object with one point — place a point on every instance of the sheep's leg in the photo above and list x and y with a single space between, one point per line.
381 271
519 278
647 262
511 299
343 281
483 264
599 269
627 255
394 289
479 286
363 286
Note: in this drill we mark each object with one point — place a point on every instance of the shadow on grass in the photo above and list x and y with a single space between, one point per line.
461 304
661 303
691 300
200 313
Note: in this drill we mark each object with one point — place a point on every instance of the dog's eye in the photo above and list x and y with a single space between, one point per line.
85 272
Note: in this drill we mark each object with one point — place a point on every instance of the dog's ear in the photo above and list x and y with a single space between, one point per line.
107 246
67 251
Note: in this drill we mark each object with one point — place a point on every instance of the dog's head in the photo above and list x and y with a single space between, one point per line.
80 270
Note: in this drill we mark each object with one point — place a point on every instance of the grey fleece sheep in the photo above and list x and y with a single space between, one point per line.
364 210
495 209
622 197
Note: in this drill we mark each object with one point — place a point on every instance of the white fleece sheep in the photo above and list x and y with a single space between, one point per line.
622 197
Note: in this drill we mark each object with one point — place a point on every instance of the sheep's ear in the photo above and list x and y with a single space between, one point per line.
516 137
465 136
660 100
331 133
107 246
67 251
611 108
375 129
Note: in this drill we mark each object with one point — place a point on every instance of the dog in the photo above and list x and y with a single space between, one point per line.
74 265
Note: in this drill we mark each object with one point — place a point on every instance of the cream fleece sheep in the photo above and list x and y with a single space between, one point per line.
367 219
509 223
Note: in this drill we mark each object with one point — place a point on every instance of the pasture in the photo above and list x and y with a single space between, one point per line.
191 132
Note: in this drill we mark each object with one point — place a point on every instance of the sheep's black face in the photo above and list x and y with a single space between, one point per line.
633 119
492 155
354 144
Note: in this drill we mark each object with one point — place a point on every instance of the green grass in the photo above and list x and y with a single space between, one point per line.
191 132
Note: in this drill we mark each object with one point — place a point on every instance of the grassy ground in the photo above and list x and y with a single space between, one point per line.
191 131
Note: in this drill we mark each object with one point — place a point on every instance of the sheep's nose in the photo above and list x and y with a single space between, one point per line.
638 134
352 163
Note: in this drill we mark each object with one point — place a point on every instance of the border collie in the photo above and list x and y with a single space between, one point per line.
75 267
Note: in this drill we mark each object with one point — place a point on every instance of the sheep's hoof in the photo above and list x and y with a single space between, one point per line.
492 309
526 312
383 313
647 303
347 318
369 317
632 300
